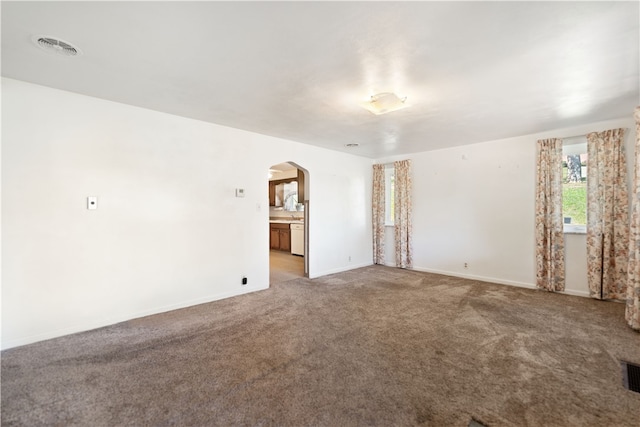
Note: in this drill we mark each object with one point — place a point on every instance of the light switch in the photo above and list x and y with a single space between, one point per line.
239 192
92 202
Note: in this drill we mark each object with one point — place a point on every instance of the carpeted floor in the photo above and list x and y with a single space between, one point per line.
375 346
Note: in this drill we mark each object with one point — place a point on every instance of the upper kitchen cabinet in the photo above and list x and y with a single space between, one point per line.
272 194
300 186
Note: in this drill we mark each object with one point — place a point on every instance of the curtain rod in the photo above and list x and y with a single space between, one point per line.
582 138
584 135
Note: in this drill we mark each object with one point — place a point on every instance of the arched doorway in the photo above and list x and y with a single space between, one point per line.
288 222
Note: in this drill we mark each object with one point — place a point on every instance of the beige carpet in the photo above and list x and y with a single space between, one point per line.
375 346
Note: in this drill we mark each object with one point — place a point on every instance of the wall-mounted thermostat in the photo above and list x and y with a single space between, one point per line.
239 192
92 202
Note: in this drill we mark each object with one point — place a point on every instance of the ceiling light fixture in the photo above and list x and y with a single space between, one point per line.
386 102
55 45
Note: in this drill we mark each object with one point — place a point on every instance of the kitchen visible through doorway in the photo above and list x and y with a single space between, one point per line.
288 222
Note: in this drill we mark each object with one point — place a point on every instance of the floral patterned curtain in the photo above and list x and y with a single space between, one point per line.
378 214
607 215
548 216
403 211
632 313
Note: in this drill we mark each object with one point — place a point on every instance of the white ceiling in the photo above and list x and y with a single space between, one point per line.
472 71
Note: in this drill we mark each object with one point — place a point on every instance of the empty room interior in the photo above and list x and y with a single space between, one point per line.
320 213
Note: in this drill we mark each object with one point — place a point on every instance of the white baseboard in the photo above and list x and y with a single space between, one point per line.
94 324
340 270
575 293
496 280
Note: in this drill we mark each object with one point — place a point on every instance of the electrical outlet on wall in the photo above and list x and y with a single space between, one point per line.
466 265
244 280
92 202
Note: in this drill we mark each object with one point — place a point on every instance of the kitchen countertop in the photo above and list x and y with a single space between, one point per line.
286 221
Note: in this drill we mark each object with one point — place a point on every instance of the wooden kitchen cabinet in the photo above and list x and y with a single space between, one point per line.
272 193
280 237
274 238
300 186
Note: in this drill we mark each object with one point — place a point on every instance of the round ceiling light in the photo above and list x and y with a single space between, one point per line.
55 45
385 102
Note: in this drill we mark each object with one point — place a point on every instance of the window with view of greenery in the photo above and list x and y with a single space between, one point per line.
574 185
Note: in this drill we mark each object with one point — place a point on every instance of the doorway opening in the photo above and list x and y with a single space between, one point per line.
288 222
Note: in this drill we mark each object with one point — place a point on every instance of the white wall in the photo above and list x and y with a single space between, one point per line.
475 204
169 231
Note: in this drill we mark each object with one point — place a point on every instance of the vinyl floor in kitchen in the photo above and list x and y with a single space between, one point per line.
283 266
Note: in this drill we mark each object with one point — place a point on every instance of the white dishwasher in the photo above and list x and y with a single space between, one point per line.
297 239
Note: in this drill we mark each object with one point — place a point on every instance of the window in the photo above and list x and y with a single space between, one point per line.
389 184
290 192
286 195
574 184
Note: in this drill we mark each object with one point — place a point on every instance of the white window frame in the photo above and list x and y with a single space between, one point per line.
576 145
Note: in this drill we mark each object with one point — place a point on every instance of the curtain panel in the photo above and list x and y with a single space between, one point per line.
402 214
548 216
607 216
632 311
378 214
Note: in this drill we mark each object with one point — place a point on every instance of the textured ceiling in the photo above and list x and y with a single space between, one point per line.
471 71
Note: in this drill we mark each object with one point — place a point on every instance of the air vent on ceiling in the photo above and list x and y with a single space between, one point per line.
54 45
